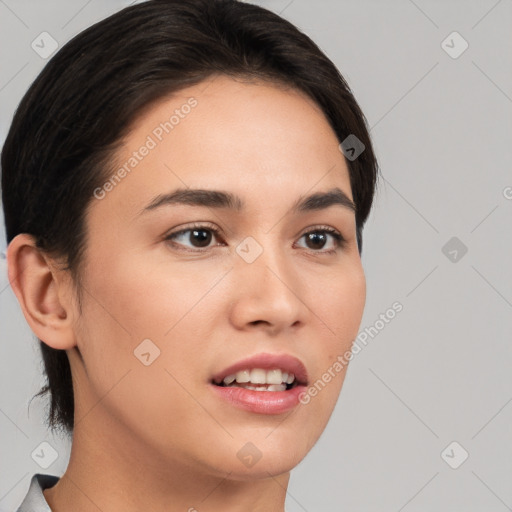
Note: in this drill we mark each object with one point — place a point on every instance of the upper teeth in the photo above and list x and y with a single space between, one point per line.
260 376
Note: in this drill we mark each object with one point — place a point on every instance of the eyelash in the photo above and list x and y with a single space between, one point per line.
339 240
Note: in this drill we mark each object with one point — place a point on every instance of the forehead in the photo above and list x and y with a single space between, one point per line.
248 137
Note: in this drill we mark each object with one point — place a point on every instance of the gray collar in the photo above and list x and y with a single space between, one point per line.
34 500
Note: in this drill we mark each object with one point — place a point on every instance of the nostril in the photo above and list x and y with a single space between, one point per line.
257 322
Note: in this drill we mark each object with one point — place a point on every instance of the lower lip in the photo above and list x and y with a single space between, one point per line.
262 402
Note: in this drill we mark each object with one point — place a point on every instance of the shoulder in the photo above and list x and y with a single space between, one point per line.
34 500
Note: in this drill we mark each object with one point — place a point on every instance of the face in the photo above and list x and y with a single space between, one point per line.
183 290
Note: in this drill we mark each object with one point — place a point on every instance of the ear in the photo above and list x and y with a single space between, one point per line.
43 291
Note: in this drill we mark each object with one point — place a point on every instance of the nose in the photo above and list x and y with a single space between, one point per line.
267 294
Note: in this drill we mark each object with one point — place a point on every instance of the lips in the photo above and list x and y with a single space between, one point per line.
273 400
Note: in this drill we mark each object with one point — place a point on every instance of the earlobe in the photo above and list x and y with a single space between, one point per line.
41 290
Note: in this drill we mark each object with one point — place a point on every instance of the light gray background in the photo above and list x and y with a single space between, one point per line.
440 370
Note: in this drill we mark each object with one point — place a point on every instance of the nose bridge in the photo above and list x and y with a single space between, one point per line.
265 262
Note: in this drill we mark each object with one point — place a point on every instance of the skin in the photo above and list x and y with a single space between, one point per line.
158 434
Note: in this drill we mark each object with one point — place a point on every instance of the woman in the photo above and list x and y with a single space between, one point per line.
185 187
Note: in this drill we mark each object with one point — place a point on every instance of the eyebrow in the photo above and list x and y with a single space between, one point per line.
223 199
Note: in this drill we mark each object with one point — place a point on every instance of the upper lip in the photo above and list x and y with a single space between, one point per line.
266 361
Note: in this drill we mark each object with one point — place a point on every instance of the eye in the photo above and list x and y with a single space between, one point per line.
200 236
318 238
193 237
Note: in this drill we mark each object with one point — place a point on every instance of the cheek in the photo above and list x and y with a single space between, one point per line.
342 307
130 300
142 298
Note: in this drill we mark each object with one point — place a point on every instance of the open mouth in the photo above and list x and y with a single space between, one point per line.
263 384
259 379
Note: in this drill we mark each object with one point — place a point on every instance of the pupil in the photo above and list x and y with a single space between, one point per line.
317 238
202 236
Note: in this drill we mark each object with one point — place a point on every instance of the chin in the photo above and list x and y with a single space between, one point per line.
263 454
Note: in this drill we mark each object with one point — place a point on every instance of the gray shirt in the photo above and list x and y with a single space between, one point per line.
34 500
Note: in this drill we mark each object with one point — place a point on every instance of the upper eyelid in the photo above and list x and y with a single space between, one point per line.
202 225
